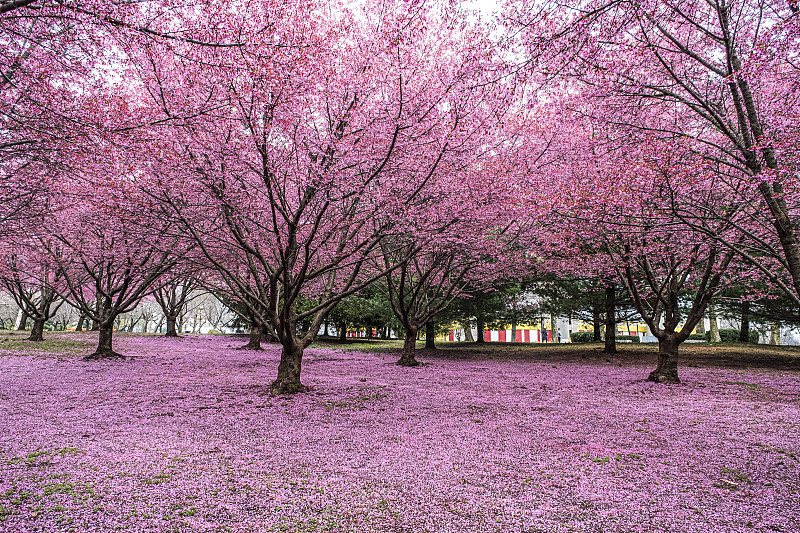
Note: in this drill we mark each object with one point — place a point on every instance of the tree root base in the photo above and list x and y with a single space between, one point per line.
104 356
287 387
663 377
407 362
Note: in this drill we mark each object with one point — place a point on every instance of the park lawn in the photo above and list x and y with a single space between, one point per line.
55 343
183 436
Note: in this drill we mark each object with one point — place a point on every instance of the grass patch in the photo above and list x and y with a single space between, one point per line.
56 343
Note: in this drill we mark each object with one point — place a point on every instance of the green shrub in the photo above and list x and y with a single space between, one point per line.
588 336
582 336
732 335
698 337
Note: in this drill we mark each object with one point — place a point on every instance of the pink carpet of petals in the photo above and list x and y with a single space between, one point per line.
183 437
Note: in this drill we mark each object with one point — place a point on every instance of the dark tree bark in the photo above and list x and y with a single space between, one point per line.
254 342
23 323
105 348
409 348
667 367
171 330
37 332
744 330
430 336
288 380
81 320
611 320
95 323
481 328
596 323
343 333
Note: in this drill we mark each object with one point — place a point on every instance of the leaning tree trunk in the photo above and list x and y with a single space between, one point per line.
744 331
667 369
430 336
611 320
105 349
409 348
254 343
37 333
713 326
288 381
468 332
23 322
700 329
81 320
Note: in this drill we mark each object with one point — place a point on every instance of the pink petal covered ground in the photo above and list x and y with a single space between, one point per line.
183 438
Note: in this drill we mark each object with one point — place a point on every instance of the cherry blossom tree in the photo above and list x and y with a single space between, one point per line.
293 184
33 282
109 252
723 79
620 203
172 296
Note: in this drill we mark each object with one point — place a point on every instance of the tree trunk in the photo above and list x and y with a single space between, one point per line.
81 320
23 322
481 327
667 369
514 330
288 381
95 323
254 343
468 332
596 323
611 320
713 326
775 333
171 331
105 348
37 332
409 348
430 335
744 331
700 329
